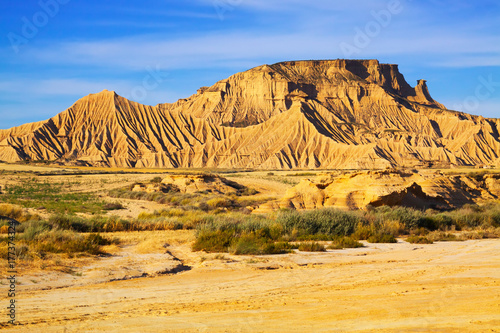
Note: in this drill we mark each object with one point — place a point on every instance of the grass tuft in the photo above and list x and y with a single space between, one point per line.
311 247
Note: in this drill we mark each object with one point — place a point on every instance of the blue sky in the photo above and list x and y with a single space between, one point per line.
54 52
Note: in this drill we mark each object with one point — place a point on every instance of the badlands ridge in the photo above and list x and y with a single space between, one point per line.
334 114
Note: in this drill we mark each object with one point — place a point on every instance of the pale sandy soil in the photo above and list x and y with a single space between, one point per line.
27 167
443 287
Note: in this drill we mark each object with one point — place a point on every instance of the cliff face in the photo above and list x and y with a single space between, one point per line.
254 96
359 190
302 114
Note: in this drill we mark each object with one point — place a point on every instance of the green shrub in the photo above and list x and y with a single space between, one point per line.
17 213
344 243
113 206
428 222
249 243
69 222
443 221
219 202
156 180
311 247
419 232
382 238
325 221
29 231
98 240
66 241
247 191
363 231
443 237
407 216
316 237
213 241
252 233
419 240
495 219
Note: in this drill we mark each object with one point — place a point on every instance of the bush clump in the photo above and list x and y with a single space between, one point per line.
113 206
311 247
419 240
382 238
37 240
326 221
344 243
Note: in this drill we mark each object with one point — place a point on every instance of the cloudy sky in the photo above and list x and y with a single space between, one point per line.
54 52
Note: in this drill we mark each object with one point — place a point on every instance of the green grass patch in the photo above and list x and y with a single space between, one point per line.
51 196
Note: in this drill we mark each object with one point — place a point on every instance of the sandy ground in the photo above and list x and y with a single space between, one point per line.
443 287
153 282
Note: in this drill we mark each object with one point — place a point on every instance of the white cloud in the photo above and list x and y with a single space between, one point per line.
489 108
77 88
293 5
59 87
220 49
193 52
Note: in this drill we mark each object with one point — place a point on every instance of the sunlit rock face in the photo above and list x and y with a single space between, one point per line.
342 114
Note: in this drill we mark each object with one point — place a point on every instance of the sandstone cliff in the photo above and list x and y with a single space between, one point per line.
358 190
304 114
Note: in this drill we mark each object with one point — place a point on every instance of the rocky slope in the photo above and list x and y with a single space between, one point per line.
192 183
358 190
305 114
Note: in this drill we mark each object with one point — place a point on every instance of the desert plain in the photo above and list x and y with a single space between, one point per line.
153 280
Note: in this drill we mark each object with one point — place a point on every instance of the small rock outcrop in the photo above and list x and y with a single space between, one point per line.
192 183
203 183
359 190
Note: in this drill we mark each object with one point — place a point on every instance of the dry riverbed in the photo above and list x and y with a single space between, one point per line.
153 282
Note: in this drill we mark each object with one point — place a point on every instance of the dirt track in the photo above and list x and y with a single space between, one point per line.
444 287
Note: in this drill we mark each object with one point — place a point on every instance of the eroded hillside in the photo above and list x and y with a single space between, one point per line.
344 114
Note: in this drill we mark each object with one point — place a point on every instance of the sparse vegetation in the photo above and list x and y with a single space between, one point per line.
51 196
344 243
440 236
38 241
113 206
222 222
343 228
382 238
156 180
17 213
311 247
205 201
419 240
